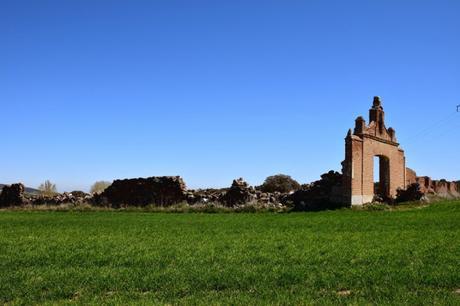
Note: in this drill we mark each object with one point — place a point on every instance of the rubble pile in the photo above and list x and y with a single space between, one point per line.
61 198
326 193
269 197
322 194
13 195
239 193
202 196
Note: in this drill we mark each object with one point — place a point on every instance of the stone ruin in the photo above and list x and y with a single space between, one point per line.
155 191
15 195
159 191
170 190
12 195
361 145
371 140
239 193
74 197
165 191
325 193
441 188
355 186
202 196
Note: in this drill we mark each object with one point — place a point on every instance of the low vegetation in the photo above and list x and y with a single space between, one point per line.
279 183
99 186
411 193
367 256
47 188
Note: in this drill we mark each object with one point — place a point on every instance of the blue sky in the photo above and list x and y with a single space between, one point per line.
215 90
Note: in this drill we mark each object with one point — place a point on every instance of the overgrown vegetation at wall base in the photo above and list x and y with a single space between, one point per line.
342 257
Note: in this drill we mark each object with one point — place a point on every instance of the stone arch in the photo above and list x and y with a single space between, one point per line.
361 145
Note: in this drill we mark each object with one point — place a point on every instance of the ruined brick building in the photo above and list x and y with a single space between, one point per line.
371 140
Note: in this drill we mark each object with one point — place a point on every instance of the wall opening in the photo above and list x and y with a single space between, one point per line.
381 176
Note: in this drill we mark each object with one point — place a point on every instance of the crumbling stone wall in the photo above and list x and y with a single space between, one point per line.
204 195
12 195
160 191
61 198
426 184
441 188
445 189
322 194
239 193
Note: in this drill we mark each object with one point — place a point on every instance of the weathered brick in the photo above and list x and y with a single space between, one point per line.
361 145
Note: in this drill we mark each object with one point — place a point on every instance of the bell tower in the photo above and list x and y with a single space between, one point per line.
377 114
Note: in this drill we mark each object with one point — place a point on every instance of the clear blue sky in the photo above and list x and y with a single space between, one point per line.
214 90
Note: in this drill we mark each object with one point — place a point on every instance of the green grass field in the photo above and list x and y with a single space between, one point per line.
407 256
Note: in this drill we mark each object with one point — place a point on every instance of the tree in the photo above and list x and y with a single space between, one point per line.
100 186
281 183
47 188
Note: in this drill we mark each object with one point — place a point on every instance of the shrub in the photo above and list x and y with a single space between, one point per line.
411 193
99 186
47 188
281 183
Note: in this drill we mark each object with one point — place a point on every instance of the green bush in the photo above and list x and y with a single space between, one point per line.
280 183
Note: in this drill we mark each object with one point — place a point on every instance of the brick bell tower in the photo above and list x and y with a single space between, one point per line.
361 146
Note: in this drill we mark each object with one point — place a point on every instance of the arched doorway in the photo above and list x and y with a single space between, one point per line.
381 176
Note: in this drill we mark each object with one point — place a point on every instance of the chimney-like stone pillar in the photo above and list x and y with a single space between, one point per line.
377 114
360 124
392 134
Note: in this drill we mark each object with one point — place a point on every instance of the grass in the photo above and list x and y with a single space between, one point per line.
409 256
211 207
